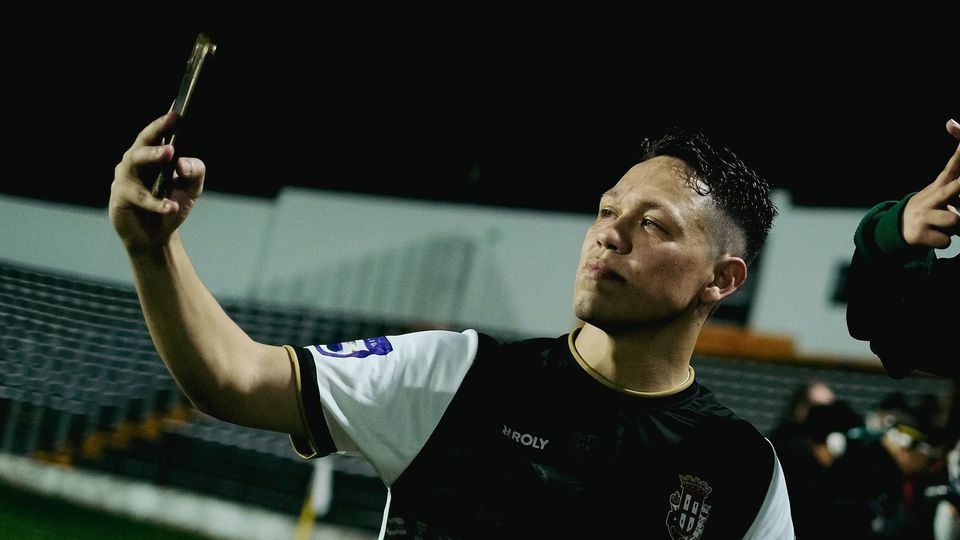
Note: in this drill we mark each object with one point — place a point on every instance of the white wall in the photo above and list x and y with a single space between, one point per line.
802 256
225 238
514 268
340 252
68 238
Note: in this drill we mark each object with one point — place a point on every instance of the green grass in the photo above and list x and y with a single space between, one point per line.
26 515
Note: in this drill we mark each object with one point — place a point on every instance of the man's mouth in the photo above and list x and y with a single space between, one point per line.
599 270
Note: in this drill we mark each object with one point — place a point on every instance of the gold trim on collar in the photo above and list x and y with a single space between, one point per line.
614 386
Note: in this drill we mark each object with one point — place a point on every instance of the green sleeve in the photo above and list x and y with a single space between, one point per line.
879 239
893 290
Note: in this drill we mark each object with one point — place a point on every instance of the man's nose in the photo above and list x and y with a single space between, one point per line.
613 238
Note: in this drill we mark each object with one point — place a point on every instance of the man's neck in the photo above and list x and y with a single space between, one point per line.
641 360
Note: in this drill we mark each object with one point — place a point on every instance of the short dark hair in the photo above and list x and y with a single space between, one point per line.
736 189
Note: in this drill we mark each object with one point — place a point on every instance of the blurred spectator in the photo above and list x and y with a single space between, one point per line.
946 521
807 457
880 480
791 422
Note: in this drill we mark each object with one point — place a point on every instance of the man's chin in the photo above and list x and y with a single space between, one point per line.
614 323
601 319
614 327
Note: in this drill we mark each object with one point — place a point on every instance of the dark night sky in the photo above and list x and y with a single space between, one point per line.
534 113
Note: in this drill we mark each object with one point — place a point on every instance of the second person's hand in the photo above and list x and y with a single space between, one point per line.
931 216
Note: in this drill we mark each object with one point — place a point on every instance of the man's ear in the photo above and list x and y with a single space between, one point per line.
729 275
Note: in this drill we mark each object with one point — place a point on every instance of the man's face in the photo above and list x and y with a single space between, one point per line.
647 257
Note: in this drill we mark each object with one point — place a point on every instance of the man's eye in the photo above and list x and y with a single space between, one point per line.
606 213
647 222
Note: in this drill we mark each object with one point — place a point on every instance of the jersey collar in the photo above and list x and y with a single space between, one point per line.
571 340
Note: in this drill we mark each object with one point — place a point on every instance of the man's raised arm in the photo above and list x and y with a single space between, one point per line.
223 372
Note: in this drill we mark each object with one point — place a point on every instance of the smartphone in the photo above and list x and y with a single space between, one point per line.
202 47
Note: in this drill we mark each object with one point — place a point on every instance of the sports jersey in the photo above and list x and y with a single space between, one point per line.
477 439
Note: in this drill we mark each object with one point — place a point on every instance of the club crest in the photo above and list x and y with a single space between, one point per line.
688 509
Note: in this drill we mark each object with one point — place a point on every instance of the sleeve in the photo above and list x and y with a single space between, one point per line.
879 239
379 397
890 292
773 520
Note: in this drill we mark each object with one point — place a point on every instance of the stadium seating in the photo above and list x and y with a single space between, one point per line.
82 385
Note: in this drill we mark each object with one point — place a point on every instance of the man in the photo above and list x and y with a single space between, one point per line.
602 433
900 294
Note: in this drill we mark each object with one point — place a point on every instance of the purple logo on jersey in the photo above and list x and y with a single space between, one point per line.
360 348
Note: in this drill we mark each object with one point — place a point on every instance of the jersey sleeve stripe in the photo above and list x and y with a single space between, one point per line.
319 443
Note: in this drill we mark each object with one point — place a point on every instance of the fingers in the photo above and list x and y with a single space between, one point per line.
191 168
142 153
952 170
128 190
129 168
190 174
139 156
953 128
156 129
948 192
943 219
931 227
133 194
935 239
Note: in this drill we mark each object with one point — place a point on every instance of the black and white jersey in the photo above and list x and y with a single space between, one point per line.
477 439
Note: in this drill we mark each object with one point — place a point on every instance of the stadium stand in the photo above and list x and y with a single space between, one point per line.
81 385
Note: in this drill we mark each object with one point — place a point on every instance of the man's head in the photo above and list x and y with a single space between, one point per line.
673 236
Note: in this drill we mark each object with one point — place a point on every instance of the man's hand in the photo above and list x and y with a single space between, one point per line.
931 216
142 221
